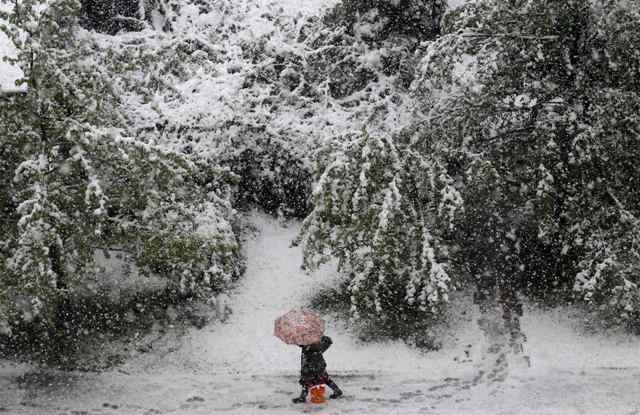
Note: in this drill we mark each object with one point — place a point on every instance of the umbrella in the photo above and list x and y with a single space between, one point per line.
299 327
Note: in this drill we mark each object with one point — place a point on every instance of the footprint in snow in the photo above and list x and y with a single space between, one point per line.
195 399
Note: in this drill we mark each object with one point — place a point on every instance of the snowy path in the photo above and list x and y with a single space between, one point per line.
238 367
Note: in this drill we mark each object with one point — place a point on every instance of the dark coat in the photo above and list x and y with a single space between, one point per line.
313 363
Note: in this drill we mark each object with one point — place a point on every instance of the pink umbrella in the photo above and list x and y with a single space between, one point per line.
299 327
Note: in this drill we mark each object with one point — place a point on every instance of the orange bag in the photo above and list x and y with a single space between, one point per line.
317 394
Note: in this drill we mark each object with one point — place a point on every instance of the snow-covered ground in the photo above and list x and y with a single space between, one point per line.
238 367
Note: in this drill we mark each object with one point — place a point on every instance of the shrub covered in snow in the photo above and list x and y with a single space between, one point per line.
113 16
381 18
270 176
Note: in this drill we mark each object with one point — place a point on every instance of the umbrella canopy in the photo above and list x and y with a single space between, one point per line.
299 327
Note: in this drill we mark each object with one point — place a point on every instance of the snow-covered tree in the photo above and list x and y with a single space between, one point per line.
213 90
73 182
258 95
50 184
382 210
537 101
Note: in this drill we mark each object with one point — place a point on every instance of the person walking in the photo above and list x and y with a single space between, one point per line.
305 329
313 370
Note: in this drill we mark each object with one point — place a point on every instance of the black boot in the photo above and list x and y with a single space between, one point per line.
302 398
336 390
